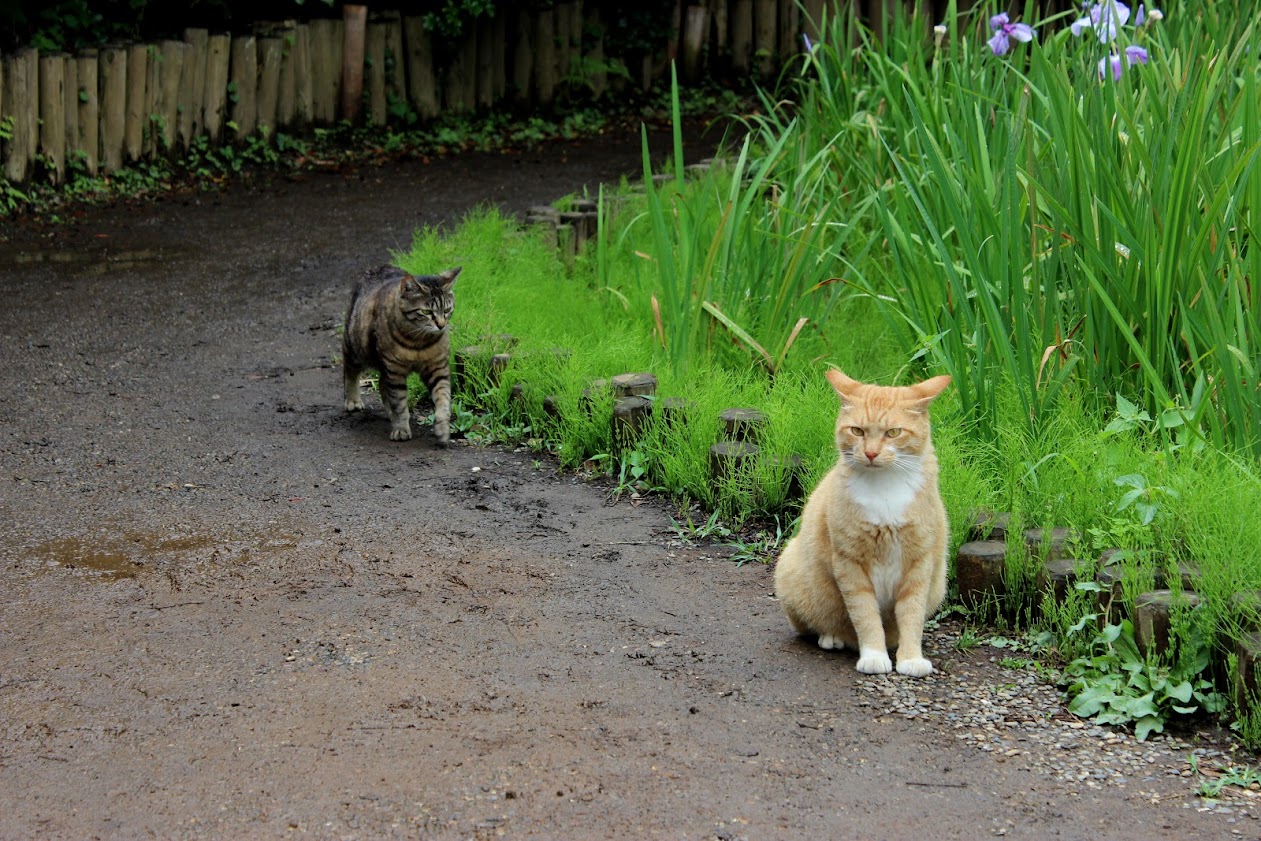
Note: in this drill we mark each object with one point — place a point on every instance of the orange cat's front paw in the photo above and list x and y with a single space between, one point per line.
829 642
915 667
874 663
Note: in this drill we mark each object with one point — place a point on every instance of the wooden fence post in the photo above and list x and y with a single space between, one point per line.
170 70
422 84
789 31
215 93
355 20
243 84
598 77
522 82
499 38
70 107
812 19
52 114
267 106
137 76
87 104
459 85
193 88
374 72
544 58
113 86
484 97
694 29
299 61
327 46
395 65
720 35
287 83
765 21
742 36
21 98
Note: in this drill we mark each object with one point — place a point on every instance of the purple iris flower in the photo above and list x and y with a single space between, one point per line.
1116 63
1104 18
1005 32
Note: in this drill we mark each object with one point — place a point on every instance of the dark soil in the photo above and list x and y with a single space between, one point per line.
232 610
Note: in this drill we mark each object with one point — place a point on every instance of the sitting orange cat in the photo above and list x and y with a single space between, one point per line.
868 565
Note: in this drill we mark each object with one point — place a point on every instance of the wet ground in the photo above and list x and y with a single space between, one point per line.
230 610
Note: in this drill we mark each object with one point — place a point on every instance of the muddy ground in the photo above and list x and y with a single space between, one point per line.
230 610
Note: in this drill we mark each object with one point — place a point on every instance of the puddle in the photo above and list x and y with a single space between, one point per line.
107 562
95 263
116 557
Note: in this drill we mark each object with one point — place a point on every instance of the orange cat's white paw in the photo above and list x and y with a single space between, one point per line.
915 667
874 663
829 642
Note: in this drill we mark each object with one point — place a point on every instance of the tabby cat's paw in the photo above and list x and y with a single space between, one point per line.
354 405
403 434
829 642
915 667
875 663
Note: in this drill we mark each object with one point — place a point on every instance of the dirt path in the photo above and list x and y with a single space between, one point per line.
232 611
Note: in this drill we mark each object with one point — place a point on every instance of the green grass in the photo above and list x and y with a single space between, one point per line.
1079 261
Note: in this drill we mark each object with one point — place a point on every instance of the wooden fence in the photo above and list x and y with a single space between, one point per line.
105 109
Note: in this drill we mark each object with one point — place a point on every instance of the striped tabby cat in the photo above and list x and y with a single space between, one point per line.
397 324
868 565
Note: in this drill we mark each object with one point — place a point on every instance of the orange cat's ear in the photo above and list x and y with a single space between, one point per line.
844 385
923 393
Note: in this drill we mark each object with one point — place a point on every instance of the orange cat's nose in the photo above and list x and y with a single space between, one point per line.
871 456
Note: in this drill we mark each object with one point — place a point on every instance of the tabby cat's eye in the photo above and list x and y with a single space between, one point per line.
892 433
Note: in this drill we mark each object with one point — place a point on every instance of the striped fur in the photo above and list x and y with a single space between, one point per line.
397 324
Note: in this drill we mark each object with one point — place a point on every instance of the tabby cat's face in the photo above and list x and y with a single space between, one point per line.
881 427
427 301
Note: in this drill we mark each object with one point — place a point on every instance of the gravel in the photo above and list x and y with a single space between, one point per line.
1014 715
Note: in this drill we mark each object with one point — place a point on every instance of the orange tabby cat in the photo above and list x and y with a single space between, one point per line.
868 565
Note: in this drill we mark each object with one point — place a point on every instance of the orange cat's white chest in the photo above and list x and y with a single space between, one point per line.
884 496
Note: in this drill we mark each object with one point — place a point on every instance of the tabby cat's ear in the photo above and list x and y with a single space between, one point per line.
923 393
844 385
448 277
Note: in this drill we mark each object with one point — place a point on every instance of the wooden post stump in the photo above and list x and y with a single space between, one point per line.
730 458
980 571
674 412
742 424
1057 579
467 360
593 393
1248 672
630 418
632 385
1152 612
989 525
498 364
1053 544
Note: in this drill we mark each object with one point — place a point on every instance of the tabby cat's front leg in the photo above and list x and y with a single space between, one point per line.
394 398
440 391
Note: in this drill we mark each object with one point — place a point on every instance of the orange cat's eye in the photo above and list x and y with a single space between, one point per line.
892 433
857 430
